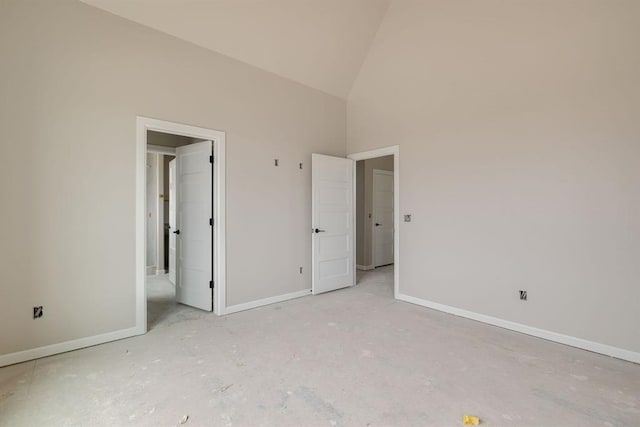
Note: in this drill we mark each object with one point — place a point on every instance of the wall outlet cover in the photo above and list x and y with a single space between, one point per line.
37 312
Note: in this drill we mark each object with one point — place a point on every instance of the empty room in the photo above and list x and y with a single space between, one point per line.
320 212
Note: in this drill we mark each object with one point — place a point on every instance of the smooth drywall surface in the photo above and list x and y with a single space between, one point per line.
73 79
364 213
519 128
320 43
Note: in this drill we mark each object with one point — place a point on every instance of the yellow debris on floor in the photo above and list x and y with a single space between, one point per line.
470 420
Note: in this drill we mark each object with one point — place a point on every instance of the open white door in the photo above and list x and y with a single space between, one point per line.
194 184
172 221
382 217
332 221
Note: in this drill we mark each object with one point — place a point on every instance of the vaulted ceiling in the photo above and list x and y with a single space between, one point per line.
319 43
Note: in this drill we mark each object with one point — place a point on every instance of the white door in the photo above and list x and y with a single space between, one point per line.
194 184
333 223
382 217
172 221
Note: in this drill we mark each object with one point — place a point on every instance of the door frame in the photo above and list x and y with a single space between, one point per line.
144 124
373 213
372 154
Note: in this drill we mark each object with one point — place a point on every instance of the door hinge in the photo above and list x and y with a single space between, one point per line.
211 221
211 284
210 159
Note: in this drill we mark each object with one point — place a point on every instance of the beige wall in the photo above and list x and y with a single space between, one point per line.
364 195
320 43
519 131
72 81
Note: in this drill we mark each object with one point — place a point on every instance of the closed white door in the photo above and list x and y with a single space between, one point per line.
382 217
172 221
194 184
333 223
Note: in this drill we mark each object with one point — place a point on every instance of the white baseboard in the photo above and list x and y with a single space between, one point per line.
529 330
365 267
266 301
160 272
49 350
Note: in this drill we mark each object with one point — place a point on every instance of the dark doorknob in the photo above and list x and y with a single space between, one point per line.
317 230
378 224
176 232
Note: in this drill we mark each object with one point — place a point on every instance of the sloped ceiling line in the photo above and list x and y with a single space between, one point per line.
319 43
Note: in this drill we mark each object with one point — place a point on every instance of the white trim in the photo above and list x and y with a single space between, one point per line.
48 350
161 272
365 267
393 150
159 149
144 124
141 244
271 300
220 226
529 330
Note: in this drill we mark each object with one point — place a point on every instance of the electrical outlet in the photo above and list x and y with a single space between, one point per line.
523 295
37 312
300 270
407 218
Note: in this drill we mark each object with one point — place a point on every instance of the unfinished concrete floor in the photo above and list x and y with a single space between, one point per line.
354 357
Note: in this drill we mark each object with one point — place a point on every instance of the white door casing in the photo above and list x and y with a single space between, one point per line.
172 221
143 126
333 223
394 151
194 185
382 218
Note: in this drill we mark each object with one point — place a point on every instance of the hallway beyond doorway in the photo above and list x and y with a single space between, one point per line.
162 308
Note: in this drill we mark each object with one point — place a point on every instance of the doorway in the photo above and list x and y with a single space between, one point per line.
377 215
345 238
179 232
157 196
180 224
374 213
